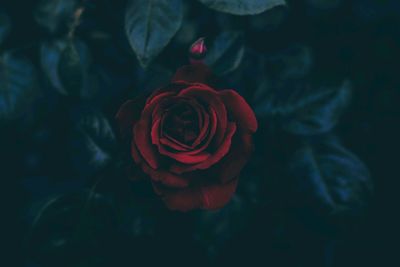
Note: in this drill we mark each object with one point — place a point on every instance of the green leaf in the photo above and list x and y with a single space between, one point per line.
17 85
301 108
93 141
242 7
67 66
50 53
295 62
70 69
327 178
70 228
55 15
226 53
150 25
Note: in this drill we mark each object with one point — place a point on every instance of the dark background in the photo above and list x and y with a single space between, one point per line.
66 196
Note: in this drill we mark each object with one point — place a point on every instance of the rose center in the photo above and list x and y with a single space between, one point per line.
181 123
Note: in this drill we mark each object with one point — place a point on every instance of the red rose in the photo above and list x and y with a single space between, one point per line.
191 140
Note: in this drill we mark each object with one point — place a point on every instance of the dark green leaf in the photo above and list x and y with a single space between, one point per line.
328 178
18 85
5 25
93 143
69 229
242 7
71 70
55 15
50 53
226 53
292 63
67 66
150 25
303 109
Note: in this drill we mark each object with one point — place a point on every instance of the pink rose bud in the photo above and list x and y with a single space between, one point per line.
198 51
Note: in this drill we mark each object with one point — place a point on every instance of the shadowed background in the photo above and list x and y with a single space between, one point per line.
320 189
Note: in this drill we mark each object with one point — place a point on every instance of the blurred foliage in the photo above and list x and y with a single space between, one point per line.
18 85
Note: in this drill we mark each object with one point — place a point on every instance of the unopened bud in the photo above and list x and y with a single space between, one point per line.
198 51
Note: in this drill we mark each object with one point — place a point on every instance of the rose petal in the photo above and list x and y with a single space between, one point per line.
204 125
220 124
205 197
213 159
210 96
165 177
239 108
163 104
190 156
171 89
205 133
206 136
217 196
231 165
174 144
143 143
182 200
155 132
201 114
195 73
185 157
142 130
209 137
153 100
222 150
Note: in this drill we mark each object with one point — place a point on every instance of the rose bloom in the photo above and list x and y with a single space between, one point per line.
190 139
